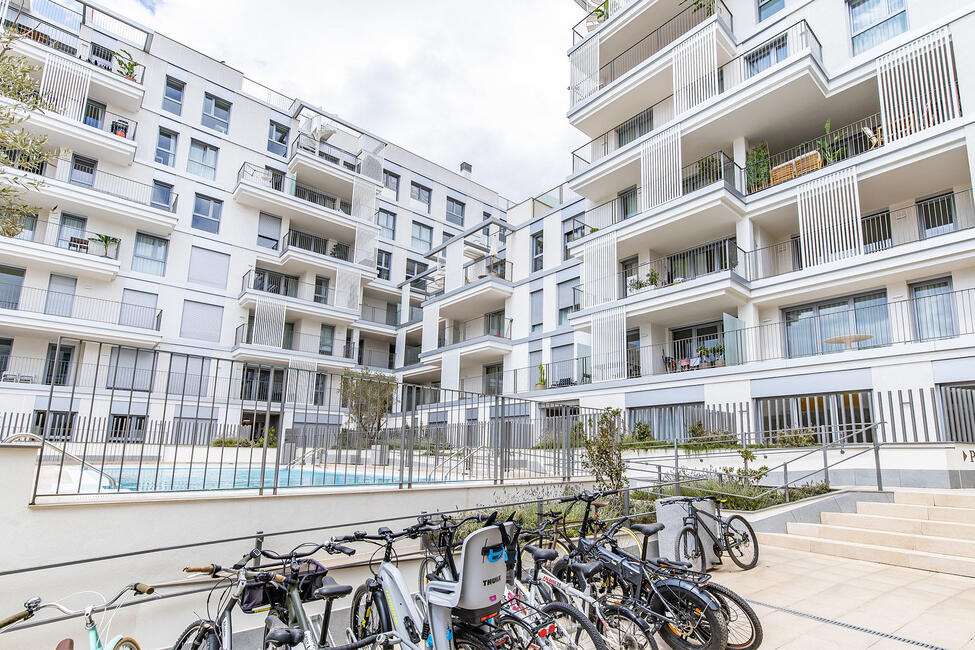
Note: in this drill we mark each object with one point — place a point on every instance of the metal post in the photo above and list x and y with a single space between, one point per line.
258 544
785 480
626 503
676 468
825 462
876 461
402 434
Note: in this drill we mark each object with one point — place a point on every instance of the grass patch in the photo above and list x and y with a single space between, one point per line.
740 494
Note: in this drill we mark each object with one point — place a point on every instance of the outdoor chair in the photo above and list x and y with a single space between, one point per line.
807 163
875 139
9 376
695 363
78 244
782 173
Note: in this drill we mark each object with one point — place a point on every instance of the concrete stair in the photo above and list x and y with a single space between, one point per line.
923 529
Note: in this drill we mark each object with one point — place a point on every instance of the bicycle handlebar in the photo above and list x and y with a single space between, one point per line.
214 569
14 618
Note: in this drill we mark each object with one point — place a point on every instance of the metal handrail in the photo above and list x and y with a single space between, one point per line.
50 233
432 471
84 464
80 307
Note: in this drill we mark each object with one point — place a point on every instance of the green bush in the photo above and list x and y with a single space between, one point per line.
792 438
231 441
701 439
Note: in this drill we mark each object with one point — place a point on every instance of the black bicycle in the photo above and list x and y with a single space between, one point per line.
735 536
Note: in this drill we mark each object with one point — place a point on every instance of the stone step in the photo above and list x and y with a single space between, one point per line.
910 511
939 563
940 545
946 498
900 524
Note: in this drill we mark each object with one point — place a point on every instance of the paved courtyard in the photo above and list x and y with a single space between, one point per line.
807 600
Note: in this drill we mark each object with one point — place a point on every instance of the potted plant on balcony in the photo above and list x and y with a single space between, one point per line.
105 241
120 128
829 147
758 167
704 352
126 64
541 378
707 6
717 355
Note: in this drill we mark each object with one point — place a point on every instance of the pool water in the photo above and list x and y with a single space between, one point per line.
215 478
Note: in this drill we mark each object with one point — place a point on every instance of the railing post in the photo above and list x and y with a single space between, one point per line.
785 480
825 462
626 502
676 468
258 544
876 461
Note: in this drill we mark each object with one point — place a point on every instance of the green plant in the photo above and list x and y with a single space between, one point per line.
709 167
792 438
829 148
717 350
272 440
104 240
230 441
553 439
602 11
704 352
701 5
701 439
604 452
541 375
369 398
11 227
653 277
758 168
746 456
126 64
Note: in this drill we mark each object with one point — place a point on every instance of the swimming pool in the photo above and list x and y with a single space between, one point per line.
175 478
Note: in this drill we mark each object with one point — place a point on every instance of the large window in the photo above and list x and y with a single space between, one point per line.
387 224
936 216
768 7
567 299
536 309
629 203
206 213
268 231
149 254
537 246
384 263
57 368
166 147
833 325
202 160
455 211
873 22
840 413
216 113
421 194
413 269
201 321
767 55
130 369
493 379
83 171
688 344
422 239
11 283
277 138
208 267
634 128
326 340
173 96
391 182
138 309
933 305
162 196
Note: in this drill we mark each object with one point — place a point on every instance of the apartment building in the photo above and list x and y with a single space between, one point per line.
197 224
772 220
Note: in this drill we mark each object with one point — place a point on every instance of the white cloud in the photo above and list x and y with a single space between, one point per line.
451 80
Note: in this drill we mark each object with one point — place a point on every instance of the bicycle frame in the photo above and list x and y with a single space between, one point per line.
693 518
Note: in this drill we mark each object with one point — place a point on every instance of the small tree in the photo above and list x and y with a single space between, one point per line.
604 452
369 398
18 148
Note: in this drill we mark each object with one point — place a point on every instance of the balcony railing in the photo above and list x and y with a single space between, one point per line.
881 231
714 257
69 43
492 325
629 131
317 245
327 152
489 266
411 355
370 358
557 374
297 342
98 118
64 236
289 286
486 384
416 314
262 177
380 315
76 307
661 37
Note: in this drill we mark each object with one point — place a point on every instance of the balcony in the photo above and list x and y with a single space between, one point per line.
61 247
491 325
329 167
634 128
411 355
712 258
378 359
302 298
930 219
299 244
487 285
483 384
326 350
31 310
547 376
381 316
489 266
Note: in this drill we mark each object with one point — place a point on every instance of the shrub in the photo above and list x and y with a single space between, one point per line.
792 438
231 441
604 452
701 439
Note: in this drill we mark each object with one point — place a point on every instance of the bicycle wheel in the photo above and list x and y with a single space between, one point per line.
744 628
688 548
526 559
627 537
126 643
364 617
741 543
694 626
575 630
199 635
470 640
520 632
624 630
428 565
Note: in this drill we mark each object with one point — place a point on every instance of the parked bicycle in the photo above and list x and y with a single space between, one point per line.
119 642
735 536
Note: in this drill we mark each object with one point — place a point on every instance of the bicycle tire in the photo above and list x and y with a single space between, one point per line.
518 630
751 542
688 548
364 617
632 537
706 628
580 627
526 559
738 621
126 643
195 637
469 640
428 565
624 630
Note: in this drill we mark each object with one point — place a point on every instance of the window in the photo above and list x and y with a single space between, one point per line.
493 379
173 96
60 295
387 224
57 368
94 115
130 369
562 368
876 231
203 160
188 375
455 211
138 309
629 203
936 216
817 328
633 353
634 128
201 321
162 196
166 147
384 262
6 345
422 240
933 304
83 171
413 269
768 7
421 194
766 56
874 21
127 428
208 267
536 251
326 340
277 138
11 282
447 236
216 113
268 231
71 232
149 254
391 182
572 229
206 213
537 306
567 299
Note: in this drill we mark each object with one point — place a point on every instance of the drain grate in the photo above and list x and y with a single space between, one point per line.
848 626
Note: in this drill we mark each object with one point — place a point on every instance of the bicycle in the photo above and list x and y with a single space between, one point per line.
735 536
119 642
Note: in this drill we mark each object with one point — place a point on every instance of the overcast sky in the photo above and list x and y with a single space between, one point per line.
452 80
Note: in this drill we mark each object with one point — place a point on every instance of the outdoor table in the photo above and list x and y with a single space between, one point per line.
849 339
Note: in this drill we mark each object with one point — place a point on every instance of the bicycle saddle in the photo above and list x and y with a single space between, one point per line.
647 529
332 591
586 570
662 561
542 554
67 644
287 637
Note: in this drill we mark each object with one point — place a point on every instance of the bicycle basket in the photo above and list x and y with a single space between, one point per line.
259 596
311 576
428 542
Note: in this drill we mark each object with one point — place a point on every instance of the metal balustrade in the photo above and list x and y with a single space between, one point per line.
493 325
371 358
317 245
880 231
98 118
78 307
706 259
488 266
289 286
411 355
545 376
298 342
383 316
328 152
64 236
84 173
623 134
278 182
